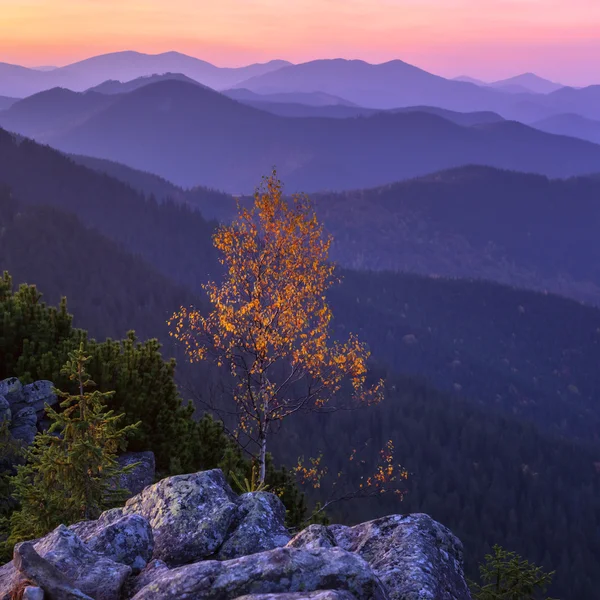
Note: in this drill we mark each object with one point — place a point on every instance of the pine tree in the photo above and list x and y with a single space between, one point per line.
507 576
72 468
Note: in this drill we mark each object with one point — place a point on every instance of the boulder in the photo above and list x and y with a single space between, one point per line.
46 577
278 571
85 570
38 394
190 515
141 476
24 425
5 412
153 570
125 539
260 526
413 556
11 389
313 537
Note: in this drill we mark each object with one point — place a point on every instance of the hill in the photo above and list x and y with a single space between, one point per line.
52 112
117 87
316 99
527 82
520 229
6 102
340 111
388 85
110 290
113 208
123 66
571 125
191 135
530 232
397 84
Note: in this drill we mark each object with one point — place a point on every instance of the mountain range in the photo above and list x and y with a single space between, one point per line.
192 135
524 83
397 84
508 441
20 81
529 232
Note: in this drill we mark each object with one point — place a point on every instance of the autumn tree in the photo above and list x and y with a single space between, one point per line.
270 320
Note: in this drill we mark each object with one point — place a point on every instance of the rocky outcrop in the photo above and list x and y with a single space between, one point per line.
23 406
79 567
190 515
413 556
276 571
37 570
191 537
124 539
260 526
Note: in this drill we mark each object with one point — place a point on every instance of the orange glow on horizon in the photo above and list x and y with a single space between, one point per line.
485 38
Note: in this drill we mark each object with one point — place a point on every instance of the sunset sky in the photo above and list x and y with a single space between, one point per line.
490 39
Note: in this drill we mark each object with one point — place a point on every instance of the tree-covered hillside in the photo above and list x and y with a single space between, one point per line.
492 479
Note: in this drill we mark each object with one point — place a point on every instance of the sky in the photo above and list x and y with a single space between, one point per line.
488 39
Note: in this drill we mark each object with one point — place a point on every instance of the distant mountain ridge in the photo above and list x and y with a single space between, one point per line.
192 135
112 86
524 83
124 66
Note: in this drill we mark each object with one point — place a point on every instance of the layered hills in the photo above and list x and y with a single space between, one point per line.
191 135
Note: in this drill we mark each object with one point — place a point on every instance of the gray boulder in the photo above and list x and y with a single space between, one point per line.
260 527
153 570
413 556
91 573
11 389
140 476
35 569
278 571
38 394
5 412
190 515
125 539
313 537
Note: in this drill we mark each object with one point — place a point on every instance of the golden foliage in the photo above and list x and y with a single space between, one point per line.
270 322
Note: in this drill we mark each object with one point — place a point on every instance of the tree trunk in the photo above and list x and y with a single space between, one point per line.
262 458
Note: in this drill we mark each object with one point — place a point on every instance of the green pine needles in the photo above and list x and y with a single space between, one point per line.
507 576
71 469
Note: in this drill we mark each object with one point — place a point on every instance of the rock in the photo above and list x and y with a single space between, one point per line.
153 570
414 556
25 417
92 573
141 476
313 537
278 571
190 515
261 526
35 569
125 539
318 595
24 425
11 389
5 412
33 593
38 394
